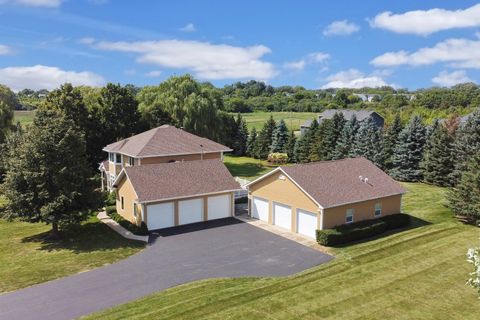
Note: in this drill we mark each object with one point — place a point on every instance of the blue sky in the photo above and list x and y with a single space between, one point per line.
316 44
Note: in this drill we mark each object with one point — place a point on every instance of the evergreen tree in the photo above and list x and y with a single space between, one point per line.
408 152
279 137
368 143
251 142
438 161
290 146
47 177
330 133
464 198
264 139
345 144
390 140
240 136
303 147
316 138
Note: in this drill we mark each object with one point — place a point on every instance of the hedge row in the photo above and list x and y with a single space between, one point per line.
133 228
361 230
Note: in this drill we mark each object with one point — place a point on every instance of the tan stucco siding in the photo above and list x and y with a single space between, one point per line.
187 157
284 192
362 211
126 161
125 190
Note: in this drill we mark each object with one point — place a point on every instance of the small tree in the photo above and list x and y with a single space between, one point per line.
290 147
279 137
252 138
47 177
303 146
240 137
264 139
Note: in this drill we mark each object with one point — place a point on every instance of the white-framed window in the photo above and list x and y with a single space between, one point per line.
118 158
112 179
131 161
111 157
378 209
349 216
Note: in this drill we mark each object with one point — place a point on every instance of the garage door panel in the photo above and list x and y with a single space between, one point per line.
306 223
190 211
219 207
260 209
160 216
282 215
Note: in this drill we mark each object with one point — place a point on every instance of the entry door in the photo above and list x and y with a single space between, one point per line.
282 215
190 211
306 223
260 209
160 216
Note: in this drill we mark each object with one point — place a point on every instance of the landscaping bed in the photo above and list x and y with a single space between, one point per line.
133 228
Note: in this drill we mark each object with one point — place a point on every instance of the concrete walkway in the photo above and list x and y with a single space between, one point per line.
102 216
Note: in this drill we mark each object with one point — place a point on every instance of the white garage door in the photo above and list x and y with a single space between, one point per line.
282 216
160 216
219 207
190 211
306 223
260 209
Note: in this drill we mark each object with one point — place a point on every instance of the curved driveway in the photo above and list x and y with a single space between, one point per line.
222 248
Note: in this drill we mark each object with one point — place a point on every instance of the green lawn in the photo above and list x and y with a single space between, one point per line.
292 119
24 117
27 258
419 273
246 167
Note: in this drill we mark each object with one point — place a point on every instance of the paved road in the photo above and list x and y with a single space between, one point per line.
222 248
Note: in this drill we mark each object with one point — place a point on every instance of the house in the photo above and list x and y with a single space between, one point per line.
347 114
159 145
321 195
171 194
367 97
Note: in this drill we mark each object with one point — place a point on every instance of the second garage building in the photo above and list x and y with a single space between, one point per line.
321 195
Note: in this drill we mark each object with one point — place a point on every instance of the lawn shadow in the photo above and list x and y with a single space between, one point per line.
90 236
246 169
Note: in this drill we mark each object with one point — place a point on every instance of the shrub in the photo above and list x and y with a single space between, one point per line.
361 230
277 158
133 228
111 198
110 209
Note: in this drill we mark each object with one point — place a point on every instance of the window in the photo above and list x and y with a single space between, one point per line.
112 179
135 211
123 208
349 216
111 157
118 158
131 161
378 209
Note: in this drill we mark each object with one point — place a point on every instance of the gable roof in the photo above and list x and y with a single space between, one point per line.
347 113
156 182
335 183
163 141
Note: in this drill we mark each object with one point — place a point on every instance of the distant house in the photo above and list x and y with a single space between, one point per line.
347 114
366 97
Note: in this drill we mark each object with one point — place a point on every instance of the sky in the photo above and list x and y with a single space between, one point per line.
315 44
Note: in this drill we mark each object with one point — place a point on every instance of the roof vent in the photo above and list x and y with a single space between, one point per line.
360 177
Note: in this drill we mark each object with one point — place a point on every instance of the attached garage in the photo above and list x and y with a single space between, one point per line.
282 215
260 209
190 211
219 206
161 216
306 223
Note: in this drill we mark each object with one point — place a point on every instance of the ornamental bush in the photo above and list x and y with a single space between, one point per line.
110 209
473 257
278 158
133 228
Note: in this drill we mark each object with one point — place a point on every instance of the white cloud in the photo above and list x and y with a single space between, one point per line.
45 77
153 74
34 3
448 79
425 22
459 53
188 28
314 57
295 65
205 60
353 78
5 50
340 28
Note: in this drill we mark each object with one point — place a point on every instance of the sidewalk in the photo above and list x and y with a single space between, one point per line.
102 216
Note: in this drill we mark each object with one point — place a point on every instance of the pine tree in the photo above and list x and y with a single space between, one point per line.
331 131
408 152
290 146
303 147
240 137
368 143
344 147
390 140
279 137
264 139
315 142
438 161
464 198
252 138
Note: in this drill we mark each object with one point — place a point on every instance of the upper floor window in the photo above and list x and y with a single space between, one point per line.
115 158
131 161
378 209
349 216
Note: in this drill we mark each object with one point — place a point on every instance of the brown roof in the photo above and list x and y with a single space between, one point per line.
105 165
334 183
180 179
162 141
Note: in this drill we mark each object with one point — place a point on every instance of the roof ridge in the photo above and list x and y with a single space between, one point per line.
323 161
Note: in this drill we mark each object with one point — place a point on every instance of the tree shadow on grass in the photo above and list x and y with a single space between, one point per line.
248 169
90 236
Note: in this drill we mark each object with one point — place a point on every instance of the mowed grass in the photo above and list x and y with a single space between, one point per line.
419 273
27 257
292 119
24 117
246 167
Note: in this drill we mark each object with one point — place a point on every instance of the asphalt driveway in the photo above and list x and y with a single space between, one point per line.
222 248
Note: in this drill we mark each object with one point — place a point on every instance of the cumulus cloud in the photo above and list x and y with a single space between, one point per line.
459 53
340 28
190 27
425 22
205 60
5 50
448 79
34 3
314 57
353 78
45 77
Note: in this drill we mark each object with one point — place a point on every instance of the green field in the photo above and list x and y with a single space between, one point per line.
292 119
24 117
27 257
419 273
246 167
